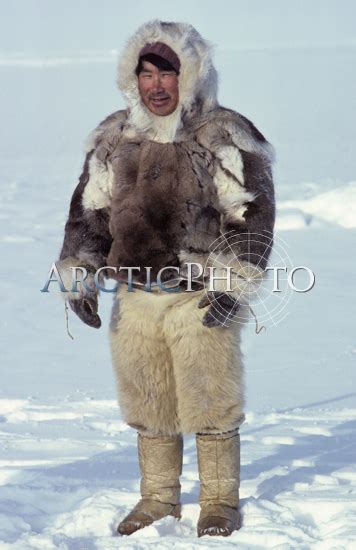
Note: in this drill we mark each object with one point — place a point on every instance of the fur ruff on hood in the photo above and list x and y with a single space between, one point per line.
197 78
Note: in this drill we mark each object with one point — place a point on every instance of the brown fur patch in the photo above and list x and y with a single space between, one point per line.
164 200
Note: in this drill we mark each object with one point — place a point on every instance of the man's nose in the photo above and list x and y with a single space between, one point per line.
157 82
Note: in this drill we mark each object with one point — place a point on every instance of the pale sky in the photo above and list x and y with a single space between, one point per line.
38 26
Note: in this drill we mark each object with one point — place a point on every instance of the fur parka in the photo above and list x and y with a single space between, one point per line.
159 191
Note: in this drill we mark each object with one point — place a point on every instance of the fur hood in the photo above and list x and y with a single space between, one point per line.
197 79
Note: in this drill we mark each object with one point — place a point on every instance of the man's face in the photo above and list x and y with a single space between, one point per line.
158 89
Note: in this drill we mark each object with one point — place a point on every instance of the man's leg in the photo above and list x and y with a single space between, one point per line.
208 368
142 363
219 474
147 398
160 460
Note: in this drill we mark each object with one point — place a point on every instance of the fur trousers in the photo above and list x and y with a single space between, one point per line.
173 374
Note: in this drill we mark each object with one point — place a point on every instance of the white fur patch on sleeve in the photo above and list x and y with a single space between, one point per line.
231 159
232 196
97 192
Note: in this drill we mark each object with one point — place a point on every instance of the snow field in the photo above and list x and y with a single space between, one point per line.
69 472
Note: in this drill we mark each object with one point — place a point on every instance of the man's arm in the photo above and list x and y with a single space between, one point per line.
244 185
87 239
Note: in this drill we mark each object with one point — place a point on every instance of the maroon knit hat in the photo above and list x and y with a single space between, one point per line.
164 51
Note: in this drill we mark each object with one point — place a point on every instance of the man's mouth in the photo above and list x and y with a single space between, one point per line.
162 100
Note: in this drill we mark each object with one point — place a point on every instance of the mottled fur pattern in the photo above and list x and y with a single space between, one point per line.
164 199
87 237
148 202
175 375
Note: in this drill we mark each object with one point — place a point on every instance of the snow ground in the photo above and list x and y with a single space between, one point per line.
68 474
68 469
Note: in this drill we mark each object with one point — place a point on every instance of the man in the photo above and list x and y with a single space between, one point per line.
167 185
